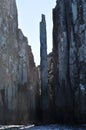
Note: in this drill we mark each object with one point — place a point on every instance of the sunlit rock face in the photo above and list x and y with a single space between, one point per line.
18 92
69 50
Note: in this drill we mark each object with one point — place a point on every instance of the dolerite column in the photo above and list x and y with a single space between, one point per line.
44 71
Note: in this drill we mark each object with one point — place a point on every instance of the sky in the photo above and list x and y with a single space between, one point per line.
29 17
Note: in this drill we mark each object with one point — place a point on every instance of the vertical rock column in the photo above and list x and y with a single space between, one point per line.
44 71
69 55
18 74
62 31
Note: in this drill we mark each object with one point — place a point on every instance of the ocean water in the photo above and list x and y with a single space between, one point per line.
46 127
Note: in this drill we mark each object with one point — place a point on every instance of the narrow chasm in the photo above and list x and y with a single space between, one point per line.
35 98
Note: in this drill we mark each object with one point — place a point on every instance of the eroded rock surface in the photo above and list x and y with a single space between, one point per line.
44 70
69 50
18 73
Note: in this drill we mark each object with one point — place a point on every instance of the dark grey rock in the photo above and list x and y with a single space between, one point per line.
44 70
69 45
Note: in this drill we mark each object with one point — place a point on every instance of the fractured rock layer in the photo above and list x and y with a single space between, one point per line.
18 92
69 54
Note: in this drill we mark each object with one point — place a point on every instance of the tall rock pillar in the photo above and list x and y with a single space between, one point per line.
44 70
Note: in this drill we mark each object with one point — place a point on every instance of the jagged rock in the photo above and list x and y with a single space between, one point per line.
69 45
18 92
50 84
44 70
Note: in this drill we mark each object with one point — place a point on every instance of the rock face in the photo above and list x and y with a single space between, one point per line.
69 54
63 77
51 85
44 70
18 92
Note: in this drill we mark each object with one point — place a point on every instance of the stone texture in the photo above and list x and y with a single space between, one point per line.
44 70
18 92
69 45
51 85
